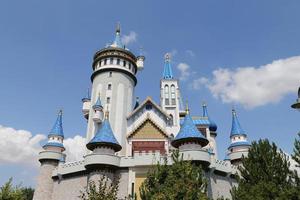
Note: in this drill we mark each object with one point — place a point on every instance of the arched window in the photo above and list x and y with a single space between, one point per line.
167 96
109 86
171 120
173 94
111 61
105 61
124 63
118 61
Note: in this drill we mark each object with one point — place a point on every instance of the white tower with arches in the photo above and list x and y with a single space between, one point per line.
170 96
113 82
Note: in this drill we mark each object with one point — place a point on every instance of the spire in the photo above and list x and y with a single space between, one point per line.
167 68
104 137
57 129
88 96
212 125
98 105
189 132
118 42
137 103
236 128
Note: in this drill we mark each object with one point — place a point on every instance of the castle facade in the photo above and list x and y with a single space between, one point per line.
125 137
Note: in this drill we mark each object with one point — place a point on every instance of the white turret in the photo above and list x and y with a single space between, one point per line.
86 105
98 111
170 96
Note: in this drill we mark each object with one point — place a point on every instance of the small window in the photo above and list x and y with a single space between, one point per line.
148 107
109 86
111 61
110 74
108 100
129 66
105 61
173 102
124 63
118 61
167 102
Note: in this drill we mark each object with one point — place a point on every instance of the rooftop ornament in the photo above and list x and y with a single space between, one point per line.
296 105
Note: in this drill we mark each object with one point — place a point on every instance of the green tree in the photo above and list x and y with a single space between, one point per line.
265 175
296 155
10 192
103 190
183 180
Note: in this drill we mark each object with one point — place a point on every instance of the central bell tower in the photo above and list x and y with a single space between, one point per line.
113 82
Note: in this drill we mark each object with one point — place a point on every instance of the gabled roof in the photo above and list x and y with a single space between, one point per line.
104 137
189 132
148 119
57 129
236 128
148 100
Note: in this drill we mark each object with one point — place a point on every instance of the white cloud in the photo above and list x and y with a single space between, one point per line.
190 53
198 83
256 86
184 70
21 147
75 148
130 38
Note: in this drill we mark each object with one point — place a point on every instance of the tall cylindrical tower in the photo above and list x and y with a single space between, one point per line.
114 78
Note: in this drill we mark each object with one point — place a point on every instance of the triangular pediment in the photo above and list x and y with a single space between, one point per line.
148 130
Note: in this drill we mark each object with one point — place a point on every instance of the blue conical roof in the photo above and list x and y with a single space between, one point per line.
98 104
87 98
236 128
104 137
57 129
168 74
189 132
118 42
137 103
212 125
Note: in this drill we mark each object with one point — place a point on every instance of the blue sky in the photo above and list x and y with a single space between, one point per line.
46 51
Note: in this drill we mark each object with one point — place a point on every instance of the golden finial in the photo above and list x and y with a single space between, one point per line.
187 110
60 112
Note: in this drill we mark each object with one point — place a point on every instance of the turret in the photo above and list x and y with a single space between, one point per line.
114 77
170 96
103 161
239 145
211 133
98 111
190 141
86 105
50 157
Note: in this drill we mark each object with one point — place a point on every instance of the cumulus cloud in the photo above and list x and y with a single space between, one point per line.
75 148
198 83
21 147
190 53
256 86
130 38
184 70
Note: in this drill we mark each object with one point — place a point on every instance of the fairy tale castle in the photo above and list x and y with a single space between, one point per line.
126 138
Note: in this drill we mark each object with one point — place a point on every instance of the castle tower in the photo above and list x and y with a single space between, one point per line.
190 141
114 77
239 145
102 161
86 105
189 136
170 96
49 159
211 133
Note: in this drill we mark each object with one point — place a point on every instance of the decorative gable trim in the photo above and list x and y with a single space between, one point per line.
141 125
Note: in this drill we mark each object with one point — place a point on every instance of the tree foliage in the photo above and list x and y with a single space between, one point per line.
296 155
10 192
103 190
265 175
183 180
